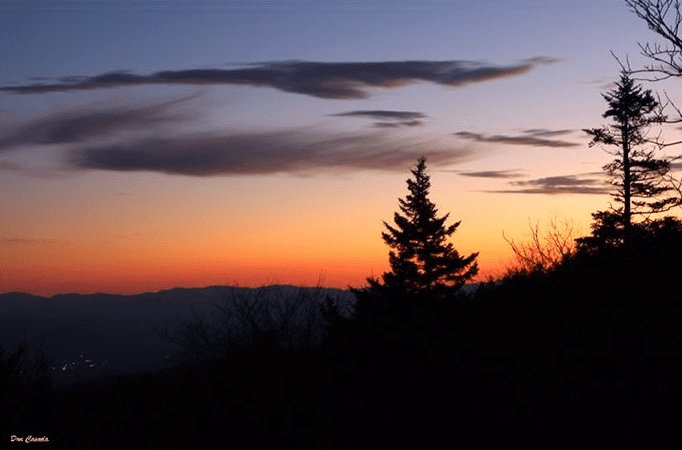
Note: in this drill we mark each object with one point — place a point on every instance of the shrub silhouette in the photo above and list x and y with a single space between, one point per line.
265 320
27 390
544 251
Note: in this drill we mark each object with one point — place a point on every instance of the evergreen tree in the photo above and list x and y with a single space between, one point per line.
639 177
422 261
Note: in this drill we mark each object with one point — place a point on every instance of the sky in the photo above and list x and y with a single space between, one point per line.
152 144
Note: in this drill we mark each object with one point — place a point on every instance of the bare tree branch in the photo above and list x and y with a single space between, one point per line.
544 252
664 18
262 321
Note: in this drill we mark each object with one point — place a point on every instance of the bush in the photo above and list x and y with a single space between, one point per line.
27 390
262 321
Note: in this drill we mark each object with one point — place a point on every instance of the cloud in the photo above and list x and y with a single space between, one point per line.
19 241
395 119
141 138
493 174
547 133
294 152
588 183
409 123
9 166
85 124
340 80
565 184
23 242
382 114
534 138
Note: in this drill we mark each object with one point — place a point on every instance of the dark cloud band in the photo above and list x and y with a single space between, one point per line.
140 138
390 119
565 184
86 124
263 153
531 137
493 174
543 132
382 114
408 123
343 80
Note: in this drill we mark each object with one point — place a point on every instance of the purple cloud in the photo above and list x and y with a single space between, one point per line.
330 80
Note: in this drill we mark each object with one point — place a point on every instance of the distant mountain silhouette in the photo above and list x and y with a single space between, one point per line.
90 334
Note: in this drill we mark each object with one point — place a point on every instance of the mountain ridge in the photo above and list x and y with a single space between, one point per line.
88 333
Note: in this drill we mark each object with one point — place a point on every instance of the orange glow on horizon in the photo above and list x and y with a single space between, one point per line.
203 232
84 272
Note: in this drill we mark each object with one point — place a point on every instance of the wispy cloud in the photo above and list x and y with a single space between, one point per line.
533 137
493 174
293 152
19 241
409 123
24 242
9 166
389 119
88 123
544 132
335 80
565 184
136 139
382 114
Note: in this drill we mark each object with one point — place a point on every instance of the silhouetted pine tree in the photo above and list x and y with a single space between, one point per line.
422 262
639 177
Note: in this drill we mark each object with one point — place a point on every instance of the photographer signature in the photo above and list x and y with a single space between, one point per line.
29 439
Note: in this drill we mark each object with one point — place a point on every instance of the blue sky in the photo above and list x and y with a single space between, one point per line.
286 119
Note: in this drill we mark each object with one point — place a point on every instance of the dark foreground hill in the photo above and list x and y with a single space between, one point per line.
590 350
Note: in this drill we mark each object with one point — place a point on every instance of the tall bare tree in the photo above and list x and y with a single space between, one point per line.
664 18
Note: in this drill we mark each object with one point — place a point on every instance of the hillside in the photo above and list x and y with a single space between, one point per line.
104 333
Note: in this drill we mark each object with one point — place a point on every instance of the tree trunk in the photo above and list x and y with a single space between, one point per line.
627 214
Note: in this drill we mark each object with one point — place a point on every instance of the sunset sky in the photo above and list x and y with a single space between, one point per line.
151 144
